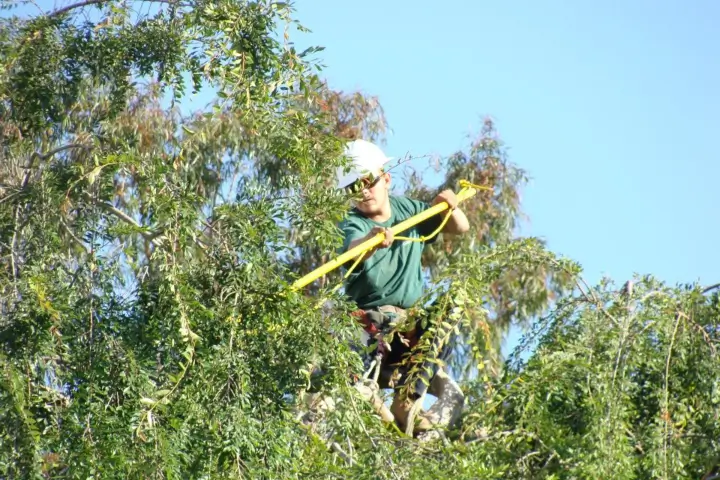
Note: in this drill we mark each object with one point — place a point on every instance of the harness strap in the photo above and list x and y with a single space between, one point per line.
374 320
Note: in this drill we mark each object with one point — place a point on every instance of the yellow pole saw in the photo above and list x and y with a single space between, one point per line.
468 190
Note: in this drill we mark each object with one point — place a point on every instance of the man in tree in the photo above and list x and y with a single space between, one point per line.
388 280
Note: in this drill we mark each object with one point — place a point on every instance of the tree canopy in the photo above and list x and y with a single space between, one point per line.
147 324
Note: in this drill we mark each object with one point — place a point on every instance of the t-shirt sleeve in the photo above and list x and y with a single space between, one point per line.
351 231
428 226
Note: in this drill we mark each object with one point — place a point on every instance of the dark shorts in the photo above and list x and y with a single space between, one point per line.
398 362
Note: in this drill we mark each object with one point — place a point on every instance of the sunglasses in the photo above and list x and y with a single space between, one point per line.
361 184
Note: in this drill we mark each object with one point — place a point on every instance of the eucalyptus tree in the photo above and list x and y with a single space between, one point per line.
147 330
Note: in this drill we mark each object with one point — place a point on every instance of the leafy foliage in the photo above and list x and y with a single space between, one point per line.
147 325
621 385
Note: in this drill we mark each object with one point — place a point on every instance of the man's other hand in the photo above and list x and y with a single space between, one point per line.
447 196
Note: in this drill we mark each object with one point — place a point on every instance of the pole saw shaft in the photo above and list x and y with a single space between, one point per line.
464 194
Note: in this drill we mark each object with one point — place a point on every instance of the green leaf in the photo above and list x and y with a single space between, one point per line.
92 176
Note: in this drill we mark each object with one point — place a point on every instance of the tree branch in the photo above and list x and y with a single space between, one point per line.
13 250
155 237
9 197
87 3
63 10
711 288
595 301
73 236
18 224
150 236
666 390
46 155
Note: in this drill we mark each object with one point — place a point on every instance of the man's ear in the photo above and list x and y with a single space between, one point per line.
388 178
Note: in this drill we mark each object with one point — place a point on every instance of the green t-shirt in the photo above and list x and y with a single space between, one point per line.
391 276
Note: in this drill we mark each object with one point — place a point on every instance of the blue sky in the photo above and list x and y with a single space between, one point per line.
612 107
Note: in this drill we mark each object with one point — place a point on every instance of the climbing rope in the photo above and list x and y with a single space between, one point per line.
421 238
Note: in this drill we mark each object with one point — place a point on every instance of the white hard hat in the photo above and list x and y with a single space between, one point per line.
366 158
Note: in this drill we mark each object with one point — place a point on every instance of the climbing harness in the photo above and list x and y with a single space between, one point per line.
467 191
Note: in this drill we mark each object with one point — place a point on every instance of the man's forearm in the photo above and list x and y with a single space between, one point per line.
457 224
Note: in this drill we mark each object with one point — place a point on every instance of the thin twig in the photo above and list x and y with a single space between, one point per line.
9 197
43 156
37 6
360 422
74 237
87 3
338 449
13 253
553 455
595 301
704 334
650 324
579 279
525 457
127 219
651 294
667 391
62 397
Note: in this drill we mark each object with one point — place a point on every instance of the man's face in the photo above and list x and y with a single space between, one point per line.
373 196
